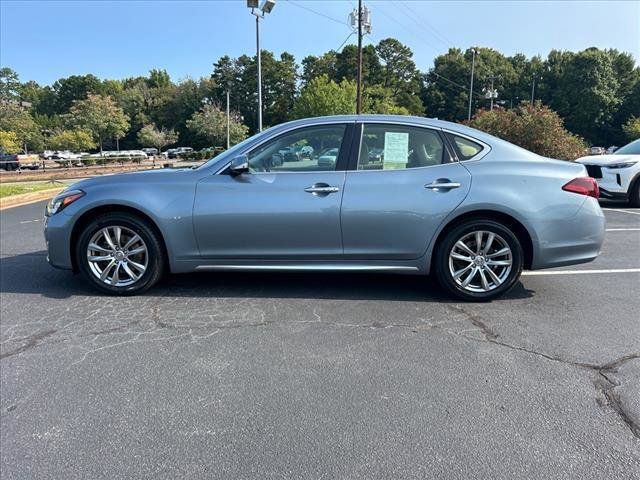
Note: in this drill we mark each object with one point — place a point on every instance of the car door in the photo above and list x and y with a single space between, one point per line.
286 207
402 185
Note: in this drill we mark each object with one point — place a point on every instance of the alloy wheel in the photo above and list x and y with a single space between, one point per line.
117 256
480 261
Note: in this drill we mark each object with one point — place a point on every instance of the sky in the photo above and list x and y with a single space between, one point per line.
47 40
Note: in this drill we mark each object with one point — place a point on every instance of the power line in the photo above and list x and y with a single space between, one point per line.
424 23
299 5
345 41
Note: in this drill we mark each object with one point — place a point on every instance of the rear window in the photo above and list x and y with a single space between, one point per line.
465 149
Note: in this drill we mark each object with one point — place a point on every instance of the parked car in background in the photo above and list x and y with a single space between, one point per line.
597 151
446 199
150 151
9 161
327 158
178 152
617 174
611 149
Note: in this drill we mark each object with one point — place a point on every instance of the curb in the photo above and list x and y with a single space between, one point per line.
27 198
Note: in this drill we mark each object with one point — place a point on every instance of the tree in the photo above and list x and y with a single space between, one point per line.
536 128
71 89
74 140
14 118
9 142
151 136
210 125
9 85
322 96
632 128
100 116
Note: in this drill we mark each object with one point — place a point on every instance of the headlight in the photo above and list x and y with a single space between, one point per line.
622 165
61 201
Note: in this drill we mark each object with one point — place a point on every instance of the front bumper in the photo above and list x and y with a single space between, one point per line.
57 235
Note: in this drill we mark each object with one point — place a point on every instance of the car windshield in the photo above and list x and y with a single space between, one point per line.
632 148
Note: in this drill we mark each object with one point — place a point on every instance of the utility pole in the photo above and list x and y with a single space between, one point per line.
361 21
491 93
473 65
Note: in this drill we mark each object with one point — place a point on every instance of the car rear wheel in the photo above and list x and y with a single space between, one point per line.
120 254
479 260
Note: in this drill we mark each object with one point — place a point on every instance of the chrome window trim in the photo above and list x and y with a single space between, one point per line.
291 129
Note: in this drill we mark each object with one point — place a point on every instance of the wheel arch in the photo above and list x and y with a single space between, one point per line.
520 231
94 212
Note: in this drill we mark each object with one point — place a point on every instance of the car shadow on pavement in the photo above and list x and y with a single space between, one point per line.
30 274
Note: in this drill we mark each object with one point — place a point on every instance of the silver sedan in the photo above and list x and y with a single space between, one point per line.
404 195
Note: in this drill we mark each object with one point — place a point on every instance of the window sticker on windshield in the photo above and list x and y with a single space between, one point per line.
396 150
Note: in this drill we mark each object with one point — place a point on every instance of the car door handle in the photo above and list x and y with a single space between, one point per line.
321 188
444 184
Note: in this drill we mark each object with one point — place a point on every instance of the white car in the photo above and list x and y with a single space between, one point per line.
618 174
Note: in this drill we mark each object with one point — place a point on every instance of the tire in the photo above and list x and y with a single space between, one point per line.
499 277
634 194
125 257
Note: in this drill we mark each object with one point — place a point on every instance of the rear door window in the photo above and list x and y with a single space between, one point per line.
399 147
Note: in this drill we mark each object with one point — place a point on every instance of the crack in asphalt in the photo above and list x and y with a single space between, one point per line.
604 385
32 341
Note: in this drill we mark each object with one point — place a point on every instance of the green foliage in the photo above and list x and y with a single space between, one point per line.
210 124
9 85
9 142
594 91
101 116
151 136
73 140
632 128
322 96
536 128
14 118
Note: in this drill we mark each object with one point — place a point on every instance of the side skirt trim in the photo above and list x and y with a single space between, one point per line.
311 267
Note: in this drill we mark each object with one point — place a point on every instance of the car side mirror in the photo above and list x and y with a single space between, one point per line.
239 165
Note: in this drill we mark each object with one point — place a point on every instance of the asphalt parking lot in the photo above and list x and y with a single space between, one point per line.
319 376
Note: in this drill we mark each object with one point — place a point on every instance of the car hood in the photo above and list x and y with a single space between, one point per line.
129 177
604 160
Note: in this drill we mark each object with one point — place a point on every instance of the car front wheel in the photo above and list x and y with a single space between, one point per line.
479 260
120 254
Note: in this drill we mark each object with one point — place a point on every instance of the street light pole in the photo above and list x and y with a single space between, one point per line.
228 119
259 73
533 89
359 75
265 8
473 65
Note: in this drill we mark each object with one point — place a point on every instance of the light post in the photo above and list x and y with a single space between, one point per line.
265 8
473 65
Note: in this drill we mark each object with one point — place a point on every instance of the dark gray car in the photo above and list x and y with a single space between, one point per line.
436 197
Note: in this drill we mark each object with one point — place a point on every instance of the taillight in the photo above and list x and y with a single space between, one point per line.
583 186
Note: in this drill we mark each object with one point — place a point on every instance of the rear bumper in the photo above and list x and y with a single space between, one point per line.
573 241
606 194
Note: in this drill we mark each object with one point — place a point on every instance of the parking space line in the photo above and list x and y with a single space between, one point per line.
621 211
623 230
582 272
